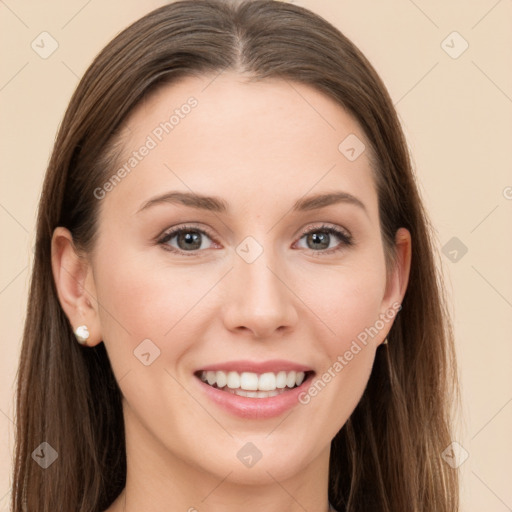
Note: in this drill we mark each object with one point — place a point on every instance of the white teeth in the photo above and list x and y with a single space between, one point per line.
253 382
222 379
233 380
290 379
267 382
281 380
255 394
211 378
249 381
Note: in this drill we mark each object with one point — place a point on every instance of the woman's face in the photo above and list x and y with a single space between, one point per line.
254 277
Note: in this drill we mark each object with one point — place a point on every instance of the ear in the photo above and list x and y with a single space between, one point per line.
399 276
75 285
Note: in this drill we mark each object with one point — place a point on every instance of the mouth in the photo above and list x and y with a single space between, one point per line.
252 384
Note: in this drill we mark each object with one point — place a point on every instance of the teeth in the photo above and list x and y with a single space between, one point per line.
281 380
253 382
255 394
221 379
267 382
210 378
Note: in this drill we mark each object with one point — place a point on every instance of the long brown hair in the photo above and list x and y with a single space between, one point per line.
387 457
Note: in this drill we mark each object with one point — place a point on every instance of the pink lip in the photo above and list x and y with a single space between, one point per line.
255 408
274 365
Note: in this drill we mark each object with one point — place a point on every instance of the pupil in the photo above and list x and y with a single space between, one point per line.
322 238
191 240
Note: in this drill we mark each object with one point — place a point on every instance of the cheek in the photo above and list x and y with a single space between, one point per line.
350 308
143 296
146 300
347 301
132 300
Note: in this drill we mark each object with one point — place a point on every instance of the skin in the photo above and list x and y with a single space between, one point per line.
260 147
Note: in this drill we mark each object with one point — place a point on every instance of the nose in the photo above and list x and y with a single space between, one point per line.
260 299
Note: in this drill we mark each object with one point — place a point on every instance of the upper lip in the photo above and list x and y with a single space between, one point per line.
274 365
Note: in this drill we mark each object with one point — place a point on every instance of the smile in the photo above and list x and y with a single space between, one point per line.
254 385
251 395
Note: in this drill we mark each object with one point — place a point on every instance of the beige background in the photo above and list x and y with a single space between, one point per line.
456 113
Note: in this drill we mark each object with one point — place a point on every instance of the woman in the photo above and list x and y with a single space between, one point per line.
234 300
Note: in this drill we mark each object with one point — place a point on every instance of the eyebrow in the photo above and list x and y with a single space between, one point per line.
218 205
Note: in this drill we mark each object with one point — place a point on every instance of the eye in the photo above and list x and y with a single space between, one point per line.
188 239
320 239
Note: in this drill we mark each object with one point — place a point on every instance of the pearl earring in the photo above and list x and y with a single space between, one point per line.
82 334
385 342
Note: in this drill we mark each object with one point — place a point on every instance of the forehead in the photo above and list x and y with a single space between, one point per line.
251 141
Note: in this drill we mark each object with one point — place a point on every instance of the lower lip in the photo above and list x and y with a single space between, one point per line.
255 408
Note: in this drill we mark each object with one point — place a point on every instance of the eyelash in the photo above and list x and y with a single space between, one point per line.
346 239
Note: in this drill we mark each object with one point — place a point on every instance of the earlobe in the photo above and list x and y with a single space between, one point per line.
70 272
